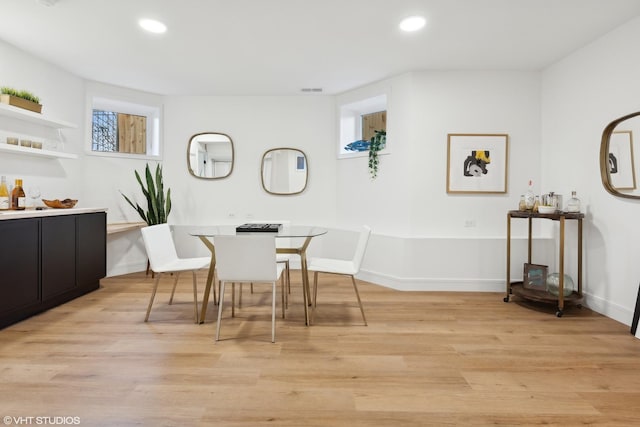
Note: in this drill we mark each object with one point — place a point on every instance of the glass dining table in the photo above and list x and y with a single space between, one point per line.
293 234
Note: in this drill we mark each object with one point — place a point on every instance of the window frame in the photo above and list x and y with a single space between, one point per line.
127 105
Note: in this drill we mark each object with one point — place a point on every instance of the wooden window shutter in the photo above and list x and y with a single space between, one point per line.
373 122
132 134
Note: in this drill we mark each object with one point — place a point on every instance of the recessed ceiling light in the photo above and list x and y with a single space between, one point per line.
153 26
412 23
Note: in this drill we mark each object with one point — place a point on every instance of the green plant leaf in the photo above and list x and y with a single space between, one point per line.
158 207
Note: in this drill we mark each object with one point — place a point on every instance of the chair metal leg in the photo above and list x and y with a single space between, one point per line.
220 300
273 313
315 296
153 294
173 290
233 298
288 277
283 291
359 301
195 297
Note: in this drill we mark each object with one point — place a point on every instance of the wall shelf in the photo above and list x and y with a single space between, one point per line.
22 117
34 118
27 151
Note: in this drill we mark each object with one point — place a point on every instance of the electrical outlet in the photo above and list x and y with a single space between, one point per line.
470 223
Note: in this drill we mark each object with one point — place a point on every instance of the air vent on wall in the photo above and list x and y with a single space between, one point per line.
311 89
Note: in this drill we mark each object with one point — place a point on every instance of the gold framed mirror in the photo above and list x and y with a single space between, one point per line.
210 155
284 171
617 156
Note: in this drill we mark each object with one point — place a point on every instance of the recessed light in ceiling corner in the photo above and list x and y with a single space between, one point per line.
311 90
152 26
412 23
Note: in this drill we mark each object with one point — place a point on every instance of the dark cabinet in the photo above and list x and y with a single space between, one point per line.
58 255
19 264
92 249
47 261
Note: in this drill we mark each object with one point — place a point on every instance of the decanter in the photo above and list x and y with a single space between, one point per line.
573 205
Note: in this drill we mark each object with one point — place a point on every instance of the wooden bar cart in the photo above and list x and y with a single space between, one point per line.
518 289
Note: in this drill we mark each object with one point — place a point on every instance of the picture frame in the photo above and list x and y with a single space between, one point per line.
621 164
535 276
477 163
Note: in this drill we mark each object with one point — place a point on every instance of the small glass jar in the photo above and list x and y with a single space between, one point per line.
522 205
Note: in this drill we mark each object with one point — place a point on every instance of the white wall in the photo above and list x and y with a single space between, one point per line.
421 240
580 95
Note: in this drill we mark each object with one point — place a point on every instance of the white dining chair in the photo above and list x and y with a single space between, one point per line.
285 242
247 258
163 259
339 266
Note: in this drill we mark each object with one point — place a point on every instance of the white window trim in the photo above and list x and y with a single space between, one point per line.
129 104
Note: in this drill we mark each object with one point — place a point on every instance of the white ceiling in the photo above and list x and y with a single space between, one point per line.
277 47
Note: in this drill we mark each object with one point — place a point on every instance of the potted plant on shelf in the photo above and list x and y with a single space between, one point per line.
378 142
20 98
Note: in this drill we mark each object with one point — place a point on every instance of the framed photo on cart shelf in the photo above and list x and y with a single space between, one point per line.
535 276
477 163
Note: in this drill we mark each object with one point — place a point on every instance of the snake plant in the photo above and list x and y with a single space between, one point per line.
377 143
158 206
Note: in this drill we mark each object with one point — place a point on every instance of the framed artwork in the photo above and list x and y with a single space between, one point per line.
535 276
621 164
477 163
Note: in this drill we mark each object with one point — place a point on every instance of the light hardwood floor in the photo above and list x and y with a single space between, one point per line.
426 359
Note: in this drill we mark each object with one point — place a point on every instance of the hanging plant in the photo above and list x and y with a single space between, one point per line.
378 142
158 205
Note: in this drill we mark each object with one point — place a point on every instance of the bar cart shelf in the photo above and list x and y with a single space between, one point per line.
518 289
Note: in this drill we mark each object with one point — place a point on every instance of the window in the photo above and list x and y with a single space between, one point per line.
118 133
124 129
358 122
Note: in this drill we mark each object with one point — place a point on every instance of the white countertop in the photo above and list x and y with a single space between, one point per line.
33 213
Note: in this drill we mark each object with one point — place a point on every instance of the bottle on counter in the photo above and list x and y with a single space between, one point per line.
18 198
573 205
4 194
536 203
529 197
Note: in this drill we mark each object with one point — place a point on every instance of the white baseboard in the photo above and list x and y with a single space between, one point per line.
433 284
119 270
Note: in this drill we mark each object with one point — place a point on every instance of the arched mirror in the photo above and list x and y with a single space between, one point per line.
210 155
284 171
617 157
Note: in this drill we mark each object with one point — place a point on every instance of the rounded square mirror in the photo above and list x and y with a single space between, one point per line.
617 157
284 171
210 155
